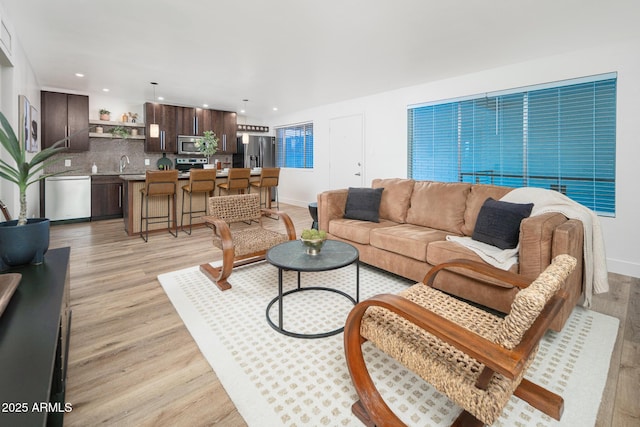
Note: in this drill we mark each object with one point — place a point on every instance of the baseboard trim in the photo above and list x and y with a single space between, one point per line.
623 267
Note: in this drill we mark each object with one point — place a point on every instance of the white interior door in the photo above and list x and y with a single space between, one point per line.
347 141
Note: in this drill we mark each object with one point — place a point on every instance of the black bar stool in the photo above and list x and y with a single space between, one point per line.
158 184
200 181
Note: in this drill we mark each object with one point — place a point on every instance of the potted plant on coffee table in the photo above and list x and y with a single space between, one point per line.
24 241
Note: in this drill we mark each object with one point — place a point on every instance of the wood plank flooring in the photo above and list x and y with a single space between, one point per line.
133 363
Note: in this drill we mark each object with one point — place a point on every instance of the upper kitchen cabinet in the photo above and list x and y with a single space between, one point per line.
166 117
65 116
194 121
225 126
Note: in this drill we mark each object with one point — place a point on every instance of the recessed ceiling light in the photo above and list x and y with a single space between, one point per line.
79 75
205 105
161 98
275 108
105 90
242 111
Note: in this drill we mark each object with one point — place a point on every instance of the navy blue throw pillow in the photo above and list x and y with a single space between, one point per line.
498 223
363 204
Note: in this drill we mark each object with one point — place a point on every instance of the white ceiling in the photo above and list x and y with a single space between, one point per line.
294 54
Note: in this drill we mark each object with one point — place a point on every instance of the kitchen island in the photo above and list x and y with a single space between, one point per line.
132 201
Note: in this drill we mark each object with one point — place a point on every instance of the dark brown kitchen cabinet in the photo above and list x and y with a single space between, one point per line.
225 127
65 116
195 121
106 197
166 117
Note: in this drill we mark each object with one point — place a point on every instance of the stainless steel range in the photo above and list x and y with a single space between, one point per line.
184 164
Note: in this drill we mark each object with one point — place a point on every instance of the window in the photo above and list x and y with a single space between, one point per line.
294 146
560 136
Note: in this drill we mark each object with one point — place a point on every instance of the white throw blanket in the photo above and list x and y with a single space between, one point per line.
595 263
501 258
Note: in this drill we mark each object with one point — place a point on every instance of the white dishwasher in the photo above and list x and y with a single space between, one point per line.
67 197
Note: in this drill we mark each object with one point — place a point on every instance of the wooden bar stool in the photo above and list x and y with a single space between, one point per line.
200 181
158 184
269 178
238 179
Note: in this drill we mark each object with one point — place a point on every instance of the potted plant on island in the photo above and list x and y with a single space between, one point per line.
24 241
208 145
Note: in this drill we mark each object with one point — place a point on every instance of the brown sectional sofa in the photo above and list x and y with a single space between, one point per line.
416 217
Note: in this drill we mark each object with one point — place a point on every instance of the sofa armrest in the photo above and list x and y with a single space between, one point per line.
536 239
331 205
568 238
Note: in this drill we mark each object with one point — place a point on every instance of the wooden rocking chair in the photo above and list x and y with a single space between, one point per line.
475 358
242 244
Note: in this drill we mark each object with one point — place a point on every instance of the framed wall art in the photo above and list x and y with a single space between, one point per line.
34 134
24 126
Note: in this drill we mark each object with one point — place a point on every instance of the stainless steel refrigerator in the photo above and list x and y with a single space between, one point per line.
259 152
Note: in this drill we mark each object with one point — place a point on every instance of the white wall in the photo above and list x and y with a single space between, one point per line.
386 132
18 79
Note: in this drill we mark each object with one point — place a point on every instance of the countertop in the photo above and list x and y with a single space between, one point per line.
140 174
182 175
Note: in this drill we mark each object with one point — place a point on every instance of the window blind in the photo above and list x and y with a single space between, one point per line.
294 146
560 137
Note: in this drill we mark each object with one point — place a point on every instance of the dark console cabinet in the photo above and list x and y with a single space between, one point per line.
34 343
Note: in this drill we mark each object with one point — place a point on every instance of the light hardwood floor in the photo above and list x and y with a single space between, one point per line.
133 363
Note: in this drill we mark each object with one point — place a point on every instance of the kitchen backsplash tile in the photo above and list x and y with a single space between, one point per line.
106 154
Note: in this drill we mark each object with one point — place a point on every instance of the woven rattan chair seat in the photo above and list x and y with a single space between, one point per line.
252 240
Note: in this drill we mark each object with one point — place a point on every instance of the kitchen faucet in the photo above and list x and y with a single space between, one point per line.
123 165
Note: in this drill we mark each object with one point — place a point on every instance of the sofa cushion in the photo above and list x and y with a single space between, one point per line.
498 223
479 193
355 230
406 239
395 197
363 204
439 205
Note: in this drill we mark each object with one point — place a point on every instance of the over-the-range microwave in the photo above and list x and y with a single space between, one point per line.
187 145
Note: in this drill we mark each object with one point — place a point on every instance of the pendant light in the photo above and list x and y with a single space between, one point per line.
154 128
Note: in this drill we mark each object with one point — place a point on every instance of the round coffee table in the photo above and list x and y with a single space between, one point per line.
291 255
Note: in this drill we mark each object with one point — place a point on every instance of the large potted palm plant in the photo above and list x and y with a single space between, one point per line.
23 241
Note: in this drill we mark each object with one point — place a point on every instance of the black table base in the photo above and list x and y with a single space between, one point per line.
280 298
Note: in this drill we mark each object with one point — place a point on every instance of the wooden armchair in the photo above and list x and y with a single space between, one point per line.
243 244
475 358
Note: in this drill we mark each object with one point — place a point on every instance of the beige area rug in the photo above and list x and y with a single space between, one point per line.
275 380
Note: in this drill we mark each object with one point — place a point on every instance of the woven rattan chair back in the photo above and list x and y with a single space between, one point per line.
236 208
530 301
